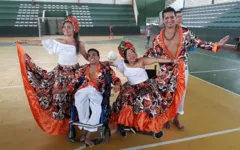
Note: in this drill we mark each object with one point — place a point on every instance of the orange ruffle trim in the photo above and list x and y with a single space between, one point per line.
215 48
43 119
141 121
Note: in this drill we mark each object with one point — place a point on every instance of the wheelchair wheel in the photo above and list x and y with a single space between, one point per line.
107 134
158 135
123 133
72 133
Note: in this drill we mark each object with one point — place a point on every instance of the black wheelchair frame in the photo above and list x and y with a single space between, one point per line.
105 132
124 130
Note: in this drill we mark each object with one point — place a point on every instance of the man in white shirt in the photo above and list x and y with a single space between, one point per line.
180 18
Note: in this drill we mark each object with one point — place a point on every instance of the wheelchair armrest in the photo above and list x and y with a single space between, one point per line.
80 82
107 91
152 72
108 79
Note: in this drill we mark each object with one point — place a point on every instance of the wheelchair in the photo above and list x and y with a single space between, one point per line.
105 132
237 43
123 130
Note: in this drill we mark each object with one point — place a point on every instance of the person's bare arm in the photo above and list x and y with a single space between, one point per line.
149 61
108 63
83 50
210 46
30 42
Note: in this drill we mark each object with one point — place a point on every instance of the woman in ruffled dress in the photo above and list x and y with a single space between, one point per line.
52 111
140 105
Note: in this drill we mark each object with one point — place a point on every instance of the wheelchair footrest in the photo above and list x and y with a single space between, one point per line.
86 125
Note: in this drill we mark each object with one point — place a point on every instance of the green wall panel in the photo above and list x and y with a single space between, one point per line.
149 8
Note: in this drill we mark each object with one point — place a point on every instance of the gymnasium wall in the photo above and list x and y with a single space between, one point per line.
177 5
18 18
122 2
149 8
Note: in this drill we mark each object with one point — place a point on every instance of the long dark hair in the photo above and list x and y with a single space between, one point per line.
125 57
76 38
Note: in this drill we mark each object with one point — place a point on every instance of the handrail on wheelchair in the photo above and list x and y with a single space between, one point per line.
151 72
85 125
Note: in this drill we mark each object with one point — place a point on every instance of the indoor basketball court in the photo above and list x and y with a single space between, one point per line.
211 116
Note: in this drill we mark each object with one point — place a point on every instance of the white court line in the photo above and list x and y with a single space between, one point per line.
216 86
209 82
81 147
206 54
215 70
217 57
229 45
11 87
10 45
20 86
39 62
10 64
183 139
6 68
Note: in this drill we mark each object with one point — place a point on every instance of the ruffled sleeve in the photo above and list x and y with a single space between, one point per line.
119 65
51 46
210 46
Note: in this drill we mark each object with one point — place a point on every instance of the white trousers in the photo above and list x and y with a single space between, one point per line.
180 108
85 98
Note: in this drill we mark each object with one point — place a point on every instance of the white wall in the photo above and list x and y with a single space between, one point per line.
193 3
224 1
82 1
177 5
123 1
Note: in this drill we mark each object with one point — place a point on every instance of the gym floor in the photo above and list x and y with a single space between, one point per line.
212 102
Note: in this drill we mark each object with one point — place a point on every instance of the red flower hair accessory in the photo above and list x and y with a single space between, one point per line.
74 23
125 46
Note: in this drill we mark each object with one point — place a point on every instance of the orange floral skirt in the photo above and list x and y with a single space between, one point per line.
148 105
51 111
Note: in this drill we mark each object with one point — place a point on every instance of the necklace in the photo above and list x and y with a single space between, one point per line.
172 36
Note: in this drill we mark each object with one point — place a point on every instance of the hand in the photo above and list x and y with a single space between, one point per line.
105 62
57 91
21 42
45 76
116 88
174 61
223 40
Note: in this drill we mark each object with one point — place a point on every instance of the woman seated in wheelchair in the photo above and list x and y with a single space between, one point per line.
139 104
89 93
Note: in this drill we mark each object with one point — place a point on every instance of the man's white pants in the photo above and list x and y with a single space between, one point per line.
85 98
180 108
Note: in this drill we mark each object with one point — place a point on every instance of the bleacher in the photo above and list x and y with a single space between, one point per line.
17 15
225 15
104 15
